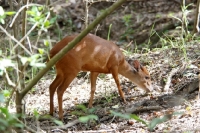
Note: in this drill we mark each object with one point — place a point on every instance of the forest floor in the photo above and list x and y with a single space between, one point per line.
174 73
174 70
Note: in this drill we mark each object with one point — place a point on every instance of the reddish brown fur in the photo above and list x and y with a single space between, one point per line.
96 55
145 70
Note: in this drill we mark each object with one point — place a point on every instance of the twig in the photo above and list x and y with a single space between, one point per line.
10 36
129 44
175 70
86 13
40 31
26 127
16 85
112 119
9 82
27 34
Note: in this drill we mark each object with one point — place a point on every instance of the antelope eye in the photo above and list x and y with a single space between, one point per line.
147 78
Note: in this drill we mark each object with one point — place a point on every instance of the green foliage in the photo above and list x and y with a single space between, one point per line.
6 93
127 19
128 30
58 122
48 117
108 37
33 60
1 98
152 124
46 43
128 116
8 121
181 35
102 75
110 98
157 121
128 52
3 14
40 15
5 63
85 119
85 113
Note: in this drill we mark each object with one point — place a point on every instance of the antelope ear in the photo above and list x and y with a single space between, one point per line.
130 62
136 65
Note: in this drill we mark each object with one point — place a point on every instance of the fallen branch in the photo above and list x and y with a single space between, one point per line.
192 86
132 110
70 124
169 78
199 86
142 109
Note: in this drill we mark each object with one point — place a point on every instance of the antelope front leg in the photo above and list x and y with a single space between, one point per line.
93 78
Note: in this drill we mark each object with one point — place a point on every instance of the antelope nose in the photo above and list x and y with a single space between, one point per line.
150 88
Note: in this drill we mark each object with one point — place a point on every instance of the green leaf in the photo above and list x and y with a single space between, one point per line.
3 123
60 123
34 64
4 111
47 23
77 113
34 9
178 113
1 97
128 116
35 56
46 43
85 119
6 63
30 13
10 13
91 110
125 116
154 122
53 20
24 60
1 11
41 51
157 121
18 125
36 114
2 21
82 107
133 116
6 93
40 8
33 60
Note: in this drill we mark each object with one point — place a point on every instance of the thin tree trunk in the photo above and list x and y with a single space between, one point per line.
196 23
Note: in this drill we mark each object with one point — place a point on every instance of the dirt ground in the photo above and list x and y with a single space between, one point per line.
175 80
174 71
